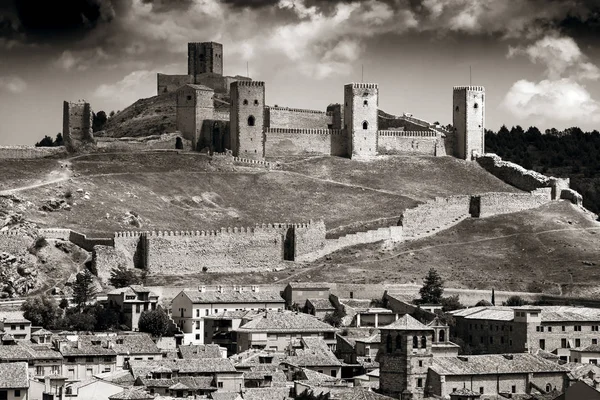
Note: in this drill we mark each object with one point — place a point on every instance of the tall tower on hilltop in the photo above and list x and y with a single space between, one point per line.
361 101
404 358
77 125
468 118
205 57
247 119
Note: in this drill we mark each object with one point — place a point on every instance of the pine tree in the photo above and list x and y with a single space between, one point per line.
83 288
433 288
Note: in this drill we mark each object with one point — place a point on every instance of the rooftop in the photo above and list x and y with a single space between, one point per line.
407 323
131 394
198 297
321 304
285 321
309 285
200 351
494 364
315 352
190 366
14 375
13 317
549 313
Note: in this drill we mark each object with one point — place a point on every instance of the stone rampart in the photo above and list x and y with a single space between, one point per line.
219 115
435 215
55 233
283 117
309 238
170 83
14 242
105 258
28 152
519 177
400 142
166 141
571 195
491 204
88 243
291 142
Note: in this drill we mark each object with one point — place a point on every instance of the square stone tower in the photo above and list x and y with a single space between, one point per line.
404 358
195 108
247 118
205 57
468 118
77 126
361 101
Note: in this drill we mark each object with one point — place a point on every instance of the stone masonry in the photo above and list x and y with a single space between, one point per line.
77 126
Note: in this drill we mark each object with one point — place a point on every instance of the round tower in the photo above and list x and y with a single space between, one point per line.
361 102
468 118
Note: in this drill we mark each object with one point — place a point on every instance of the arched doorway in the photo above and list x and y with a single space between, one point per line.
288 245
217 138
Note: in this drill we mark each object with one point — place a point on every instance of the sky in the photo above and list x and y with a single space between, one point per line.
539 60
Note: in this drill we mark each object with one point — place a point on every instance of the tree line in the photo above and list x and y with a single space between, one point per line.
570 153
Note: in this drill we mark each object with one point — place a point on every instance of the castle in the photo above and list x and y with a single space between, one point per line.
217 112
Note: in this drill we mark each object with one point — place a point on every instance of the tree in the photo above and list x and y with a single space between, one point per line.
515 301
483 303
64 303
155 322
335 318
122 276
98 121
83 288
41 311
45 142
78 321
59 141
433 288
451 303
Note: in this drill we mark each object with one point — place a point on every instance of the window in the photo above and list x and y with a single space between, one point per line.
423 341
549 329
415 342
563 328
255 102
365 125
548 387
577 342
365 103
39 371
514 388
389 343
69 390
420 382
491 340
481 339
456 109
206 312
197 312
197 324
197 336
17 393
334 373
22 327
137 308
189 98
251 120
245 102
593 361
542 345
577 328
563 343
220 384
89 372
106 369
594 341
476 105
595 328
89 359
501 339
420 363
537 328
481 389
398 341
13 327
108 359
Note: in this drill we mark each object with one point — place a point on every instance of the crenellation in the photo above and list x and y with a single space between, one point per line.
475 88
297 110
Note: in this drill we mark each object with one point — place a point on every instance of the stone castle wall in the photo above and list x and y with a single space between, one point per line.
309 238
170 83
155 142
56 233
435 215
292 142
505 203
402 142
88 243
283 117
14 242
29 152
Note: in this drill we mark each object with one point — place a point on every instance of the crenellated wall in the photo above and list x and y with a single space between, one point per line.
399 142
14 242
284 117
505 203
291 142
435 215
88 243
55 233
23 152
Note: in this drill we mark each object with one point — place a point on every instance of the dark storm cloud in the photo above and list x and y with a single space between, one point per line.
250 3
168 5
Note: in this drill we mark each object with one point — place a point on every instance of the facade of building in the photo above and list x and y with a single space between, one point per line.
131 302
14 381
87 357
296 293
14 324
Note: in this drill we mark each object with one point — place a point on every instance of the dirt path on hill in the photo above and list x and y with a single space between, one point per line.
58 175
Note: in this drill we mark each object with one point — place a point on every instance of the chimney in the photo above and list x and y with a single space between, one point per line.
255 288
220 289
202 289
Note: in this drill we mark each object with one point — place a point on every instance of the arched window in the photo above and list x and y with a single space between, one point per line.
251 120
423 341
255 102
456 109
548 387
69 390
388 344
365 103
476 105
442 336
365 125
398 341
415 342
245 102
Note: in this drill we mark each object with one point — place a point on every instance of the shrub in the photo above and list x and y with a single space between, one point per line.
41 311
155 322
515 301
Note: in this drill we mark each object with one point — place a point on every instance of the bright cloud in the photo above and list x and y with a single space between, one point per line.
12 84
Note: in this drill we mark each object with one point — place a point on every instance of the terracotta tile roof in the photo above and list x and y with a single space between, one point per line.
277 376
123 378
13 317
494 363
206 365
251 358
285 321
234 314
200 351
321 304
356 303
134 344
24 351
249 296
270 393
593 348
316 378
486 312
14 375
358 393
87 345
407 323
132 394
549 313
309 285
375 338
225 396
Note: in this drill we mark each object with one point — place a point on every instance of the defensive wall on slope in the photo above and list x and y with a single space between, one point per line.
88 243
55 233
29 152
434 215
284 117
170 83
402 142
505 203
293 142
14 242
167 141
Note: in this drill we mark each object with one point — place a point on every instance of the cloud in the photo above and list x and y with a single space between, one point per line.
80 60
12 84
552 100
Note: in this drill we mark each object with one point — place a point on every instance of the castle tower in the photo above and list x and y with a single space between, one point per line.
205 57
468 118
77 125
361 101
247 119
195 108
404 358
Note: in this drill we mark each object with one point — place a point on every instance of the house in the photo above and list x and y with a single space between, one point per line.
48 387
86 356
579 391
273 330
199 351
556 329
14 381
263 376
585 355
131 301
296 293
318 307
41 359
40 335
130 347
91 389
190 307
220 328
14 324
313 353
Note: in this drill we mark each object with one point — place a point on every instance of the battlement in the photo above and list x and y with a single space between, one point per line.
305 131
248 83
12 233
297 110
363 85
407 133
475 88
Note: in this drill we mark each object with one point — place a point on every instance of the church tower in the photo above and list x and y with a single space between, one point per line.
361 101
247 119
404 357
205 57
468 118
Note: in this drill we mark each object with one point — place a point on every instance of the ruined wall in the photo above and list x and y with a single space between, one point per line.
290 142
571 195
220 84
88 243
105 258
505 203
170 83
398 142
14 242
519 177
155 142
283 117
389 122
221 115
431 217
23 152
